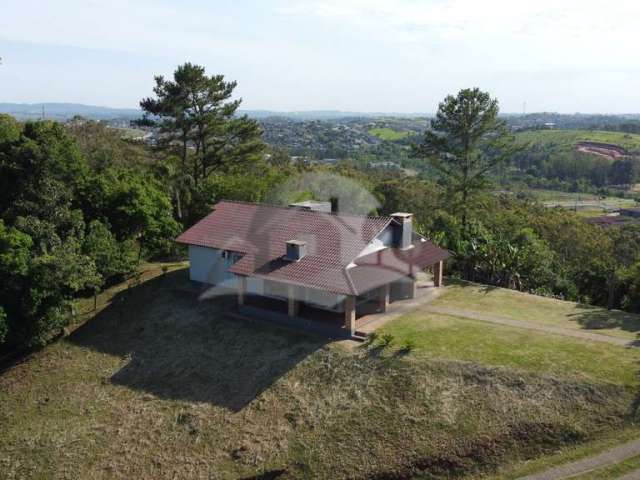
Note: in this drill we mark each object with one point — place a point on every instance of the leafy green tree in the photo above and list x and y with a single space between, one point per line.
135 206
180 182
43 155
466 141
10 130
113 259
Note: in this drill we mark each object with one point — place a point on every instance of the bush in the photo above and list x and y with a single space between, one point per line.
386 340
408 345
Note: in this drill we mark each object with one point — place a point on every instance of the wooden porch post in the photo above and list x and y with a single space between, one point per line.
413 287
242 289
437 274
350 314
293 303
383 297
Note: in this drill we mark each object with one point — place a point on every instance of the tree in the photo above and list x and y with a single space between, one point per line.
136 206
466 141
196 110
112 258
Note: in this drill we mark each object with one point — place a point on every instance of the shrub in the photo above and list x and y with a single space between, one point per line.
386 340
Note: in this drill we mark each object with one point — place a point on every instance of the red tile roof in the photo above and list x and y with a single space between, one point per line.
260 233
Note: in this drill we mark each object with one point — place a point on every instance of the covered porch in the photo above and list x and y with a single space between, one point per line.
354 312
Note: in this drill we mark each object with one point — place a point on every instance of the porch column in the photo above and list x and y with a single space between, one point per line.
242 289
350 314
413 287
383 297
293 303
437 274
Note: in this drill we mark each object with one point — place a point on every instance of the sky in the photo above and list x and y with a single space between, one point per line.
399 56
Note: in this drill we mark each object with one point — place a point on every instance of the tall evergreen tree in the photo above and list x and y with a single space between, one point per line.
197 110
466 141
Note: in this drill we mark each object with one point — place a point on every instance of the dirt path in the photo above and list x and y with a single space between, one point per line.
567 332
603 459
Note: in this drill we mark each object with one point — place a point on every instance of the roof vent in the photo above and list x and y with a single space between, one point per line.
402 230
296 249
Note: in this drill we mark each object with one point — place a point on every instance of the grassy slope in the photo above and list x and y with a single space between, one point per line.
566 139
446 337
387 133
546 311
161 385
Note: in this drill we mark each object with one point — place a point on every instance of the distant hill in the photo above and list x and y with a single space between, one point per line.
65 111
326 114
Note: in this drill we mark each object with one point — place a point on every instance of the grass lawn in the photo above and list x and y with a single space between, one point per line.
446 337
547 311
387 133
163 383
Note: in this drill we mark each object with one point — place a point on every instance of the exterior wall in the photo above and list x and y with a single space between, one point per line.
310 296
208 265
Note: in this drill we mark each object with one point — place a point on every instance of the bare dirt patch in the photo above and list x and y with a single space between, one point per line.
613 152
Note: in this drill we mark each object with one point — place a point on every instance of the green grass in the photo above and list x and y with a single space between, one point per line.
388 133
162 383
566 139
446 337
545 311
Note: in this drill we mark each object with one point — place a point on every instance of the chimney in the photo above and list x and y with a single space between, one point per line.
402 230
334 204
296 249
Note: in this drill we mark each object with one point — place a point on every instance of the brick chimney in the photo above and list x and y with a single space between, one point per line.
402 230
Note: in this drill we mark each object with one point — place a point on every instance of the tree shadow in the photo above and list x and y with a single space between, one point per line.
597 318
179 347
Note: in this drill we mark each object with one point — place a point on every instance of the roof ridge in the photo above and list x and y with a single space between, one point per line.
286 207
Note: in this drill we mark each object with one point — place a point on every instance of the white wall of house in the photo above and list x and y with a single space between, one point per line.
210 265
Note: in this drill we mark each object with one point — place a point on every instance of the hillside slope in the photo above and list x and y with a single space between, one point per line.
163 385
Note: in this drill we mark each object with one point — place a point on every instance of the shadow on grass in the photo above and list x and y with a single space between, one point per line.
596 318
179 347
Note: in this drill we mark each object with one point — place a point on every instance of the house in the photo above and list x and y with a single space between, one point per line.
309 262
